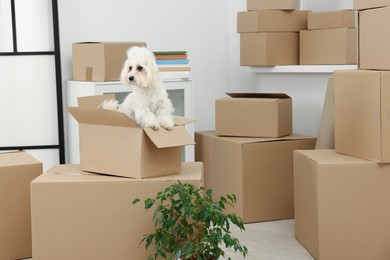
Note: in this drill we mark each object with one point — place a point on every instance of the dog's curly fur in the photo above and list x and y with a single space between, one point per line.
148 105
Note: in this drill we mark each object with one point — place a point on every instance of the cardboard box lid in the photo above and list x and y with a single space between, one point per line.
109 43
259 95
248 140
330 157
178 136
16 158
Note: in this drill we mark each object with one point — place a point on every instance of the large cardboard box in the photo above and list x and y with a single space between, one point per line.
82 216
331 19
362 110
254 115
342 206
99 61
328 46
112 143
259 171
273 4
374 38
17 170
271 21
367 4
269 49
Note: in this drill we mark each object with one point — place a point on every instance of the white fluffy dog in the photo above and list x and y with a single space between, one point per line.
148 105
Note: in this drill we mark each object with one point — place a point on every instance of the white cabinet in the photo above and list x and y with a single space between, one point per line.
179 91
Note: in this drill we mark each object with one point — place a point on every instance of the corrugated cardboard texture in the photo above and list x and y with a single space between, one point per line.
342 206
366 4
331 19
83 216
17 170
257 170
361 100
99 61
328 46
273 5
374 38
254 116
271 21
269 49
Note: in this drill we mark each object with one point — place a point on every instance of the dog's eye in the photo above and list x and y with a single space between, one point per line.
130 68
139 68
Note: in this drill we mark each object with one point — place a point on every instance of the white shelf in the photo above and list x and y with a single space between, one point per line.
302 68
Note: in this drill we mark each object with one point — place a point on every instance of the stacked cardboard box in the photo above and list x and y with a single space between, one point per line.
269 32
331 38
341 195
85 211
250 154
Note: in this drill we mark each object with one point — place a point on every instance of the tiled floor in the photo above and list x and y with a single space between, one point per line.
272 240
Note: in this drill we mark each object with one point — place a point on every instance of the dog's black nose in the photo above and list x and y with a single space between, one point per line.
131 78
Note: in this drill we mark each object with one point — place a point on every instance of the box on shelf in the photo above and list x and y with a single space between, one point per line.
78 215
367 4
342 206
254 115
99 61
374 38
112 143
269 49
331 19
361 107
273 5
328 46
259 171
17 170
271 21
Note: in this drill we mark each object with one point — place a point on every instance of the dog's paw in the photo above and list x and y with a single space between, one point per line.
109 104
167 123
150 123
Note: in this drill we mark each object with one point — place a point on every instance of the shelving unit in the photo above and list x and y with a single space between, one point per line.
302 68
179 91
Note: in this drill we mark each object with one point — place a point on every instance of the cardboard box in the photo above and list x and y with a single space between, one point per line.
111 143
273 5
259 171
342 206
269 49
361 107
271 21
329 46
374 38
331 19
367 4
17 170
254 115
82 216
99 61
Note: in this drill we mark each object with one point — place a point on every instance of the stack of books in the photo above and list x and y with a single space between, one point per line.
173 64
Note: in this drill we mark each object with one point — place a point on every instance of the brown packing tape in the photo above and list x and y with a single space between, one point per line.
88 73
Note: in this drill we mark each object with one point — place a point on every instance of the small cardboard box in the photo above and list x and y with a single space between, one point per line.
367 4
79 216
331 19
17 170
273 5
269 49
254 115
329 46
374 38
271 21
362 107
112 143
99 61
342 206
259 171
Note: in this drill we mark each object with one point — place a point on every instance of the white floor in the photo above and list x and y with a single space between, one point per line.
273 240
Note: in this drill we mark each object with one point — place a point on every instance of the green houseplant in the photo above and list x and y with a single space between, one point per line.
189 224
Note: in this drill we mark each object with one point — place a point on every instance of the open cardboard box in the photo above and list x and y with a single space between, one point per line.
112 143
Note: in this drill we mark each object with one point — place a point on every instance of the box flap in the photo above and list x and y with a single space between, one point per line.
163 138
100 117
258 95
183 120
93 101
